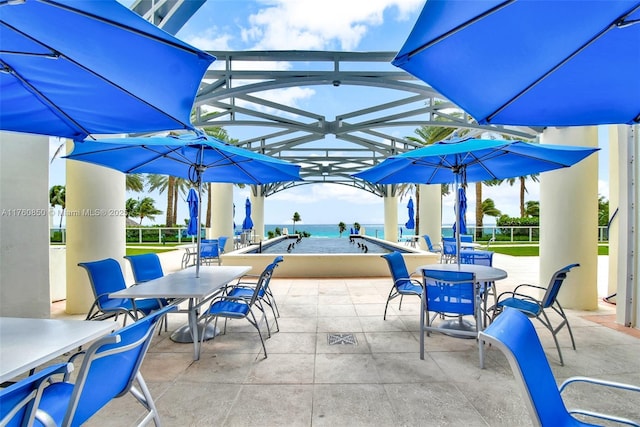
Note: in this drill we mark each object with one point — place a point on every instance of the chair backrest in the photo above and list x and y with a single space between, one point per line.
222 241
427 239
106 277
17 402
467 238
451 292
448 246
145 267
209 248
277 260
476 257
397 266
513 333
263 282
108 368
554 285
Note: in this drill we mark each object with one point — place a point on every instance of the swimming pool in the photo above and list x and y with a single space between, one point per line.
327 245
356 263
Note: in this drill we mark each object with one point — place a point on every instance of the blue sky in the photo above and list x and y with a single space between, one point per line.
356 25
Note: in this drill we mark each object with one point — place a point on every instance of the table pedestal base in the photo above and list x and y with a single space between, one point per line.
458 324
183 334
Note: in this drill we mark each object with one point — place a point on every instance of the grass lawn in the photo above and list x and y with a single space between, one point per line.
533 250
146 250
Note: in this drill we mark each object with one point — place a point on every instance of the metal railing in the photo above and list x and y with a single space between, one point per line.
159 235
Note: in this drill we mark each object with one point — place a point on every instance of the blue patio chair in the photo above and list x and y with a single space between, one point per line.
106 277
19 400
513 333
403 284
222 242
228 307
480 257
245 287
209 251
110 368
534 307
431 247
467 238
147 267
450 294
449 250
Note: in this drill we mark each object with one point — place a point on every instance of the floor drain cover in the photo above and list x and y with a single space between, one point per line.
342 339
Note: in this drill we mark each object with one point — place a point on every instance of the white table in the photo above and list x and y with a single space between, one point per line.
27 343
183 285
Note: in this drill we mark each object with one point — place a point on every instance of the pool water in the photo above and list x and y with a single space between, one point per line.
310 245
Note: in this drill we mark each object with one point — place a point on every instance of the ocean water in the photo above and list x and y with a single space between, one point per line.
329 230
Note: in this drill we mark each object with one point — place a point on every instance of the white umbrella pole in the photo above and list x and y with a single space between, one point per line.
199 231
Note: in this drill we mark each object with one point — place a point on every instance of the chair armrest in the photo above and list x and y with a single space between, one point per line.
526 285
414 281
514 294
603 383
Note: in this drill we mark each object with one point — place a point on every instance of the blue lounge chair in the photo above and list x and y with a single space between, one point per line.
513 333
110 368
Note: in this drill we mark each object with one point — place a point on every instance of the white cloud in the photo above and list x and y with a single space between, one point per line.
210 39
310 24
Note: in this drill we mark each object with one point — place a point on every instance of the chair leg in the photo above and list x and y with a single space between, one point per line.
257 326
144 397
389 298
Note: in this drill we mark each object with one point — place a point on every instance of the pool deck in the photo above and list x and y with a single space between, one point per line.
380 381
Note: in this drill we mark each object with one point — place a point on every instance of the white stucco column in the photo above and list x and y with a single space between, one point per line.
430 214
614 205
569 220
24 225
627 238
257 213
96 221
390 215
222 213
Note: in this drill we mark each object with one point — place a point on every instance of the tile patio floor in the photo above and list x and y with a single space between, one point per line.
380 381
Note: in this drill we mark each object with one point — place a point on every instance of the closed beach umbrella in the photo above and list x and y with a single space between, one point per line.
410 224
470 160
461 211
531 63
247 223
192 201
72 68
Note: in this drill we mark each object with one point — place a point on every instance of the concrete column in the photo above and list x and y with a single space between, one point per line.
627 242
24 225
222 213
614 205
257 213
569 220
390 215
96 221
430 213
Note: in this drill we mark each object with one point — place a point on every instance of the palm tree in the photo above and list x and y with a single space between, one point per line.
146 209
532 209
221 134
131 207
173 187
135 182
342 227
426 135
57 197
523 189
296 218
489 208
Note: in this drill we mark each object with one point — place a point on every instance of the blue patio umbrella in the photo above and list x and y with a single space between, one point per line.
192 201
72 68
410 224
471 160
532 63
247 223
199 158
